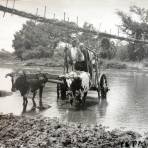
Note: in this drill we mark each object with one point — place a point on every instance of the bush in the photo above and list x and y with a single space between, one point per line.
122 53
39 52
136 51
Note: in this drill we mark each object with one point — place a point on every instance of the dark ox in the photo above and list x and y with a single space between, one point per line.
25 84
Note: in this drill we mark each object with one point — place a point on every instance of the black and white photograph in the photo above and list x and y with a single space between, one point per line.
73 74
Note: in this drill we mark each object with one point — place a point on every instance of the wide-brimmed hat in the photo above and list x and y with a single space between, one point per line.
76 40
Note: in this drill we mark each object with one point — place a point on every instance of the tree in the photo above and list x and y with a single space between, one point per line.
34 38
103 46
135 26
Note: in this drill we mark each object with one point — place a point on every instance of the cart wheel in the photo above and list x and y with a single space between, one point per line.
103 86
58 91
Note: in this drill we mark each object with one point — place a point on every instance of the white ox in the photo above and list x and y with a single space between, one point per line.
78 84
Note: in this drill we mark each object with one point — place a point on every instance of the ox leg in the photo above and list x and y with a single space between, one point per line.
71 102
98 94
33 101
25 101
40 96
84 97
24 104
67 68
72 67
58 91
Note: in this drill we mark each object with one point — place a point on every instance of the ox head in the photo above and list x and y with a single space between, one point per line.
14 78
66 89
42 78
76 88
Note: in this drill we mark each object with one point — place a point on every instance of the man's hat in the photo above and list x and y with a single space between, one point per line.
76 40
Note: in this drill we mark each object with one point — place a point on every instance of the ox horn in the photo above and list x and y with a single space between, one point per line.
9 74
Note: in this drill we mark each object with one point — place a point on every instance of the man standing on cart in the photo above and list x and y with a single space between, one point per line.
82 62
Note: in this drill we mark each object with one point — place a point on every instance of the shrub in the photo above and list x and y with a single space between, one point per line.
39 52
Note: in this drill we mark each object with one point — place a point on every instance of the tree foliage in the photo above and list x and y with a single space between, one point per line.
135 25
104 46
40 40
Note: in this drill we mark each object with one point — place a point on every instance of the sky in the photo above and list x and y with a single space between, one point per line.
101 13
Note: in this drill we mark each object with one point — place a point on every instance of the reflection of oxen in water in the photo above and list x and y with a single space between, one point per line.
102 107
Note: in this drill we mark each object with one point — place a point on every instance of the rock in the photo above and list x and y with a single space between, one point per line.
57 126
66 142
52 140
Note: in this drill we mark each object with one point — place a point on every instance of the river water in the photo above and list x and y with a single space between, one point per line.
126 106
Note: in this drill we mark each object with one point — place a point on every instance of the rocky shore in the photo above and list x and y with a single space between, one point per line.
41 132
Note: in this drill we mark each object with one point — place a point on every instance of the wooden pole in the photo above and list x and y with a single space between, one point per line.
7 3
64 16
118 30
6 7
45 12
100 26
13 6
55 81
36 14
77 20
54 16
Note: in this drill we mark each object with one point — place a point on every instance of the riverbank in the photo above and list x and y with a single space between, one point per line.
10 59
57 62
33 132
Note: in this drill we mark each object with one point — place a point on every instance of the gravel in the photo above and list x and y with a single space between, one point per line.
41 132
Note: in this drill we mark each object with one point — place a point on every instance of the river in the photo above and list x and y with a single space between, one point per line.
126 106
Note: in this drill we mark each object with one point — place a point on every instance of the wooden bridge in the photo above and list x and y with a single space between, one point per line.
68 25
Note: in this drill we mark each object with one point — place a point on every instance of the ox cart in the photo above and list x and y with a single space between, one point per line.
75 84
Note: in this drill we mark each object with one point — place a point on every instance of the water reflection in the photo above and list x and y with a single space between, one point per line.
102 107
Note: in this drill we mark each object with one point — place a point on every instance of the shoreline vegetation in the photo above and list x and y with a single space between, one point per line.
9 59
43 132
52 62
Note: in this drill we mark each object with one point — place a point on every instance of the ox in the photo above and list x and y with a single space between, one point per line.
75 86
26 84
